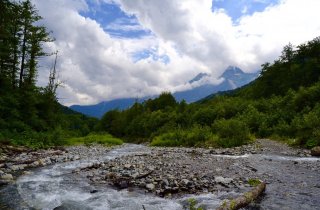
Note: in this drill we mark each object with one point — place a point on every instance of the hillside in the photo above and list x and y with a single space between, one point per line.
31 115
282 103
233 77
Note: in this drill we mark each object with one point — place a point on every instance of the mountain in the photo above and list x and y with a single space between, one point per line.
99 109
233 77
199 77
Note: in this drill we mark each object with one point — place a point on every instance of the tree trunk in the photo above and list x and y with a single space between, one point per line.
23 53
15 58
243 200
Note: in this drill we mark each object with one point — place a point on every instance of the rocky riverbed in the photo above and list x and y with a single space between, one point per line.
16 161
137 177
178 171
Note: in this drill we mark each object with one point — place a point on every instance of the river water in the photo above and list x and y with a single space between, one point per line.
56 187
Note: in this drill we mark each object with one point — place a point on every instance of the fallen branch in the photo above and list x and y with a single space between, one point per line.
144 175
244 199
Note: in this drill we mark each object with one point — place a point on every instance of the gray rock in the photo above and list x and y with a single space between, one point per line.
42 162
27 173
127 166
220 179
6 177
185 181
72 205
35 164
18 167
315 151
164 183
150 187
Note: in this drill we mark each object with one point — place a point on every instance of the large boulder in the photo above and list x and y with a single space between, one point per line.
315 151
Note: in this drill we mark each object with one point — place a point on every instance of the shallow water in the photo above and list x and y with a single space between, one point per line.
293 184
56 187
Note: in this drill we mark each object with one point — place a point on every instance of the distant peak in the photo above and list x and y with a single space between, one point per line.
199 77
232 71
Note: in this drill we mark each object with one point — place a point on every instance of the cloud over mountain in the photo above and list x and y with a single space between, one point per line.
181 39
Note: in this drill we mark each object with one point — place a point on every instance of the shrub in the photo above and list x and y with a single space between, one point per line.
254 182
196 136
307 127
231 132
102 138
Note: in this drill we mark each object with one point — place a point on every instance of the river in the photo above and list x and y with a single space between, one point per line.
292 183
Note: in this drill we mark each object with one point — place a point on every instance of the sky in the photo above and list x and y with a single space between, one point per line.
112 49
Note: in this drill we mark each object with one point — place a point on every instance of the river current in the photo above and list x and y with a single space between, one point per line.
56 187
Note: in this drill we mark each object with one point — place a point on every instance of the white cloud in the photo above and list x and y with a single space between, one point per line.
96 66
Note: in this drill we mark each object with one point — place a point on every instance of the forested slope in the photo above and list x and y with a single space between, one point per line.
283 103
30 115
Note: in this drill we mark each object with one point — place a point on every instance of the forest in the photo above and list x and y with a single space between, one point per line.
30 115
283 103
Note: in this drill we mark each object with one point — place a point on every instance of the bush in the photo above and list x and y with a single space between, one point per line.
307 127
37 140
196 136
104 138
231 133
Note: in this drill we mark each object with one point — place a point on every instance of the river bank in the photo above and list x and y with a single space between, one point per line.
16 161
165 178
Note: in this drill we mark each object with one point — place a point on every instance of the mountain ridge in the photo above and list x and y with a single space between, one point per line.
233 77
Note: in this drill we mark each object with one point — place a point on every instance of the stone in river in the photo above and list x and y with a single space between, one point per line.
150 187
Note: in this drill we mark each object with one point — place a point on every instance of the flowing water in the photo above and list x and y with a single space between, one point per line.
56 187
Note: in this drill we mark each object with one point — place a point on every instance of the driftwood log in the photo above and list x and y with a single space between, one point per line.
243 200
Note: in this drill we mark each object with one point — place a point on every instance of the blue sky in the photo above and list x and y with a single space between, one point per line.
112 49
110 13
114 21
119 24
237 8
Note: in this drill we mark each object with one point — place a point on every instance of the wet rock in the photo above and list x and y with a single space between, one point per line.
18 167
27 173
6 177
72 205
35 164
93 191
315 151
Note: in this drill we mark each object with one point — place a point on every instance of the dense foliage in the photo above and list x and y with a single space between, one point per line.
30 115
283 103
95 138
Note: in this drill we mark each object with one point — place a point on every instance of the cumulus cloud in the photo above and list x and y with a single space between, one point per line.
96 66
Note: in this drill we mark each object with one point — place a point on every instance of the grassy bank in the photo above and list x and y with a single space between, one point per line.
104 139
